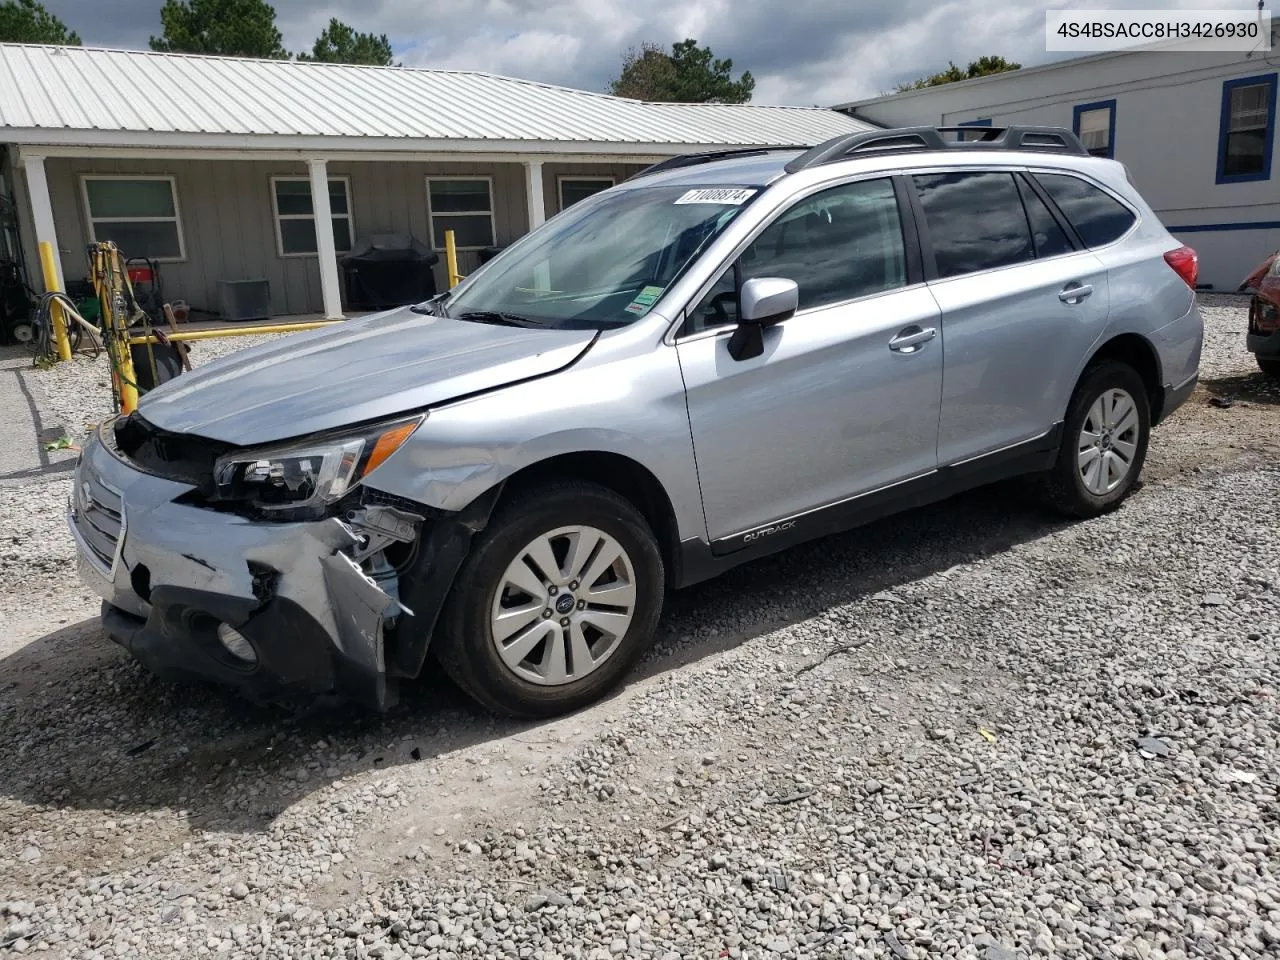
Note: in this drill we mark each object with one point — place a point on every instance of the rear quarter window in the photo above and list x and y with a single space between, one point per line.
1098 217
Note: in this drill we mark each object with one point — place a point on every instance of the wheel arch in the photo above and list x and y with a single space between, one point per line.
1136 351
623 475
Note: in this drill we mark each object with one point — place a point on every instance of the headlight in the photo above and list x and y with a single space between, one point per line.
313 473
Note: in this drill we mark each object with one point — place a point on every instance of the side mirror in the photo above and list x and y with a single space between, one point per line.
768 300
762 302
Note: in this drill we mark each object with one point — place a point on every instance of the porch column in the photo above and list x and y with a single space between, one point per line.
533 192
42 210
329 288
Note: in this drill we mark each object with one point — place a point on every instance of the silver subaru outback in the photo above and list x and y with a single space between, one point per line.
724 356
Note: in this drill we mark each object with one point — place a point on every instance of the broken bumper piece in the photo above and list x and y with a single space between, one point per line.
280 611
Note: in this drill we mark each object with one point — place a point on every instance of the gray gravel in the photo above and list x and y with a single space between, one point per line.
971 731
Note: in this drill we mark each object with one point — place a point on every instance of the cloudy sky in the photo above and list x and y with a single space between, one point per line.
800 51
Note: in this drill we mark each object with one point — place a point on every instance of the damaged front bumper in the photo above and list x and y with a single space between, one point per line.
176 578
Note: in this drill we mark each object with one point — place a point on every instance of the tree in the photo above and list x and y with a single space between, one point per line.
339 43
982 67
688 74
26 21
233 28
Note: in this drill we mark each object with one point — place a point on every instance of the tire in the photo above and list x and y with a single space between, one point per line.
1270 366
1075 486
528 681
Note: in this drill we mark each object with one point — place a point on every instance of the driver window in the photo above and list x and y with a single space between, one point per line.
836 245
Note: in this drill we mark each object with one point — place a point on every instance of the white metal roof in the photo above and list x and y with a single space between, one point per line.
125 98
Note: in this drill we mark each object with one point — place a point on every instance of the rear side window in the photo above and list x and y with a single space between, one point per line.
975 221
1050 239
1098 217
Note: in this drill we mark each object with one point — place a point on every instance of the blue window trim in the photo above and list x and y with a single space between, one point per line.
975 123
1267 80
1109 105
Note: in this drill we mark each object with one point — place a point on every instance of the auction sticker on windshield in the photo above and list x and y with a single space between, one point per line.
730 195
645 299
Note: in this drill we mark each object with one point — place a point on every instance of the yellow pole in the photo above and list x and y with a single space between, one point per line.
451 258
49 266
219 332
106 263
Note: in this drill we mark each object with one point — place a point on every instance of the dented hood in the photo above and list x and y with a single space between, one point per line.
365 369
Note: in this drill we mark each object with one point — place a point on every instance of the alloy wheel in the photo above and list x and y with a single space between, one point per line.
563 605
1108 441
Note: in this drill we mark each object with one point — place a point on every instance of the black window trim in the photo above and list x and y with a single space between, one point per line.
1060 171
1026 182
911 240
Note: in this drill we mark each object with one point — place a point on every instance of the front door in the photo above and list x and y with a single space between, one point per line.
844 398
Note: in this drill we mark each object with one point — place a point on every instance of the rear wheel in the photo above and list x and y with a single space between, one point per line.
1270 366
1104 441
558 598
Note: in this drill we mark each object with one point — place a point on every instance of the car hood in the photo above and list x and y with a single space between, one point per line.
360 370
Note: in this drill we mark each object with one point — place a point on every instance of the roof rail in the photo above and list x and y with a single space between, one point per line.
915 139
693 159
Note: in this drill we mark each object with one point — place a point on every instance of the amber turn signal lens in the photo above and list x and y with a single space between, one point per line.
388 443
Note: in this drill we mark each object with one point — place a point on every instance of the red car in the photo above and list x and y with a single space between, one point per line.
1264 315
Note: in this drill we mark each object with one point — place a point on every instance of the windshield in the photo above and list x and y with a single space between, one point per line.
602 263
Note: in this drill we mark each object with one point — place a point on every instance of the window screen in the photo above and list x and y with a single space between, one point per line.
464 206
296 221
1098 217
1093 127
573 189
139 215
975 221
1246 129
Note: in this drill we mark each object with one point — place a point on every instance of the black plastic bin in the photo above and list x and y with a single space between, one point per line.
389 270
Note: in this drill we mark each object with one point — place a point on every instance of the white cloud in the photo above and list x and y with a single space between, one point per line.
799 51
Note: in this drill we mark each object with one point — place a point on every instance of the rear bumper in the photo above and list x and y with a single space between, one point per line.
1264 344
1174 397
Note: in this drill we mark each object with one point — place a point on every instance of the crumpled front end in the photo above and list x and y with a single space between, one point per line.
282 611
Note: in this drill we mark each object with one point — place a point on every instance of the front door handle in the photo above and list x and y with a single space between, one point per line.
912 339
1075 292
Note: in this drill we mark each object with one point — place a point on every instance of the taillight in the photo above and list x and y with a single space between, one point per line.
1185 264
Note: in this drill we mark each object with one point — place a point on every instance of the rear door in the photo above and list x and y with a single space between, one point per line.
1021 305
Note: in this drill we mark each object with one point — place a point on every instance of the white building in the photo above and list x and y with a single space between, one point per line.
1196 131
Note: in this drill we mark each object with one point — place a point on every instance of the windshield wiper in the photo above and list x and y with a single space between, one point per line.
499 319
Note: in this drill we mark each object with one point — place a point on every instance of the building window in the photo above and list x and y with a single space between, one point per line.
1247 129
573 189
1095 125
296 219
463 205
973 123
138 214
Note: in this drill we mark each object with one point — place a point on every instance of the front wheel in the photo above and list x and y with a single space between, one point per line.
1270 366
1104 441
558 598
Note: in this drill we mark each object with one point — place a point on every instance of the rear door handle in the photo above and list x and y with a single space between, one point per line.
1075 292
911 342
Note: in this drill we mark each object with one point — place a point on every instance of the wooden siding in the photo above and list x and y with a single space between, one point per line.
228 228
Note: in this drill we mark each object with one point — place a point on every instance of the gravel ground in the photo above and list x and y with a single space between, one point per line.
972 731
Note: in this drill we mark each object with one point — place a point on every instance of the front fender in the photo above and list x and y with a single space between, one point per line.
633 408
